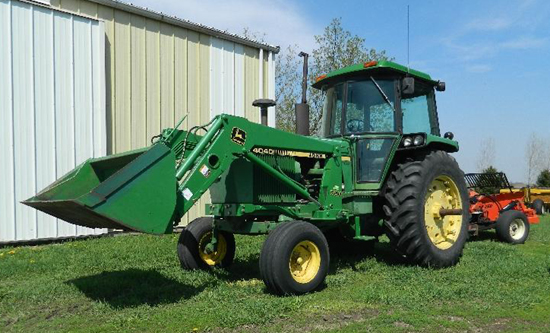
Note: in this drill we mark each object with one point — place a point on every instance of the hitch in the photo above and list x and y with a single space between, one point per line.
213 245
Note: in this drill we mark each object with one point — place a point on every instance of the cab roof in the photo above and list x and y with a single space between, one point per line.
374 67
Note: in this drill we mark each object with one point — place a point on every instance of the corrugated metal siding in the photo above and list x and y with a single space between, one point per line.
270 80
52 106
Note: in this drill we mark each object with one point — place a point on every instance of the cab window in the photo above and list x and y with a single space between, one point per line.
419 110
362 108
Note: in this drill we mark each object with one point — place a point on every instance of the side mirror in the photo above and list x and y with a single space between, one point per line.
449 135
407 86
440 86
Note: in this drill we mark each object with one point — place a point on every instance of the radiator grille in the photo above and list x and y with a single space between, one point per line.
267 189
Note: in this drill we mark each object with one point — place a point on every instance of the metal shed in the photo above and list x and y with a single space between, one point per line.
156 69
52 109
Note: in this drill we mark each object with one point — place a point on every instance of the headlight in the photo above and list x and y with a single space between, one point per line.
407 142
418 140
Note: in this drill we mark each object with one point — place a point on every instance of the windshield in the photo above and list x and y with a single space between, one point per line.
363 108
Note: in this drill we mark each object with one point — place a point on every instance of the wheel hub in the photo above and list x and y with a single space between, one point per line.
442 230
212 258
305 261
517 229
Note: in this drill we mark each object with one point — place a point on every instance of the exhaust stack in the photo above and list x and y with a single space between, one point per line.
302 109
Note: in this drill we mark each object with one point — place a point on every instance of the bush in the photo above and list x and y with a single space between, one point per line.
543 180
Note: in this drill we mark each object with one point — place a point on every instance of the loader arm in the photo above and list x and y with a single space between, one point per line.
149 189
229 138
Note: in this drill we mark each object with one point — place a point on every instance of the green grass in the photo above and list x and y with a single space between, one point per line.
134 283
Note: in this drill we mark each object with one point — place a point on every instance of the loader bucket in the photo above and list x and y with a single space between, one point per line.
134 190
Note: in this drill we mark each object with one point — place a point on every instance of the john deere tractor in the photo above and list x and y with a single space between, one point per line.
380 166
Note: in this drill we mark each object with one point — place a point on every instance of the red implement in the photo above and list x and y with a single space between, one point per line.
490 206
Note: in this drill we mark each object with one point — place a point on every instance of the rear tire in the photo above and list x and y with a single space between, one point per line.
414 193
538 206
193 240
512 227
294 259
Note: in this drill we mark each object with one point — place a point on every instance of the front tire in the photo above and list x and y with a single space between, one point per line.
294 259
538 206
415 193
512 227
192 243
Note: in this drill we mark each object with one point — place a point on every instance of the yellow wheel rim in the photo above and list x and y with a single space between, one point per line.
443 231
305 261
216 257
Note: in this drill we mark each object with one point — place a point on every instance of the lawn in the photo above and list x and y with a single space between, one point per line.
134 283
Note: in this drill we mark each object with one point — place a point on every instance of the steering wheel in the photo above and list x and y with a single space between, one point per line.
357 125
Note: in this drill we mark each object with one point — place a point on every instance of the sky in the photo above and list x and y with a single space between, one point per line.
493 55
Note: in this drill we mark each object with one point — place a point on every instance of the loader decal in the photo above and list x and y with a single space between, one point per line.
238 136
284 152
205 171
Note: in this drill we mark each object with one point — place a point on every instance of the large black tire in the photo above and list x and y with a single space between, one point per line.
512 227
194 238
538 206
408 190
280 268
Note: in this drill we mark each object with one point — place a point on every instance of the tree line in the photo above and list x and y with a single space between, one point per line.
537 159
335 48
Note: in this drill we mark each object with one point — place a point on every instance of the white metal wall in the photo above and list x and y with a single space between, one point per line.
52 110
227 79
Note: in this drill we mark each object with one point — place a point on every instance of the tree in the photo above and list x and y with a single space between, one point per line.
534 155
335 48
254 35
546 157
489 169
287 81
488 189
287 87
486 155
543 180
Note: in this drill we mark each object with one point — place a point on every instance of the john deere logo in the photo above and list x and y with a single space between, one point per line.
238 136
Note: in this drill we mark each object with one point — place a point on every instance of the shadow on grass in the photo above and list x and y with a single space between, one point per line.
342 255
483 236
242 269
133 287
348 254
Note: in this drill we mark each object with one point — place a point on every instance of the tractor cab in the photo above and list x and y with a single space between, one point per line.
380 106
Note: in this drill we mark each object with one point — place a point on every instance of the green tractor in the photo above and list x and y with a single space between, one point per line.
379 167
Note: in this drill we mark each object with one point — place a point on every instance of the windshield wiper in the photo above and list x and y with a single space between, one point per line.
382 93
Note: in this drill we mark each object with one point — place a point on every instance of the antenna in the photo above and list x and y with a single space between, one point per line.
408 43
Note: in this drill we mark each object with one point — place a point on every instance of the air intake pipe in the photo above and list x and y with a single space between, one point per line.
263 104
302 109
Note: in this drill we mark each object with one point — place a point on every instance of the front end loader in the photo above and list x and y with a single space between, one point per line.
380 166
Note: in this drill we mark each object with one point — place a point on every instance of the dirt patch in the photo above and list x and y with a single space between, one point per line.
499 325
514 324
7 322
63 311
312 322
401 324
